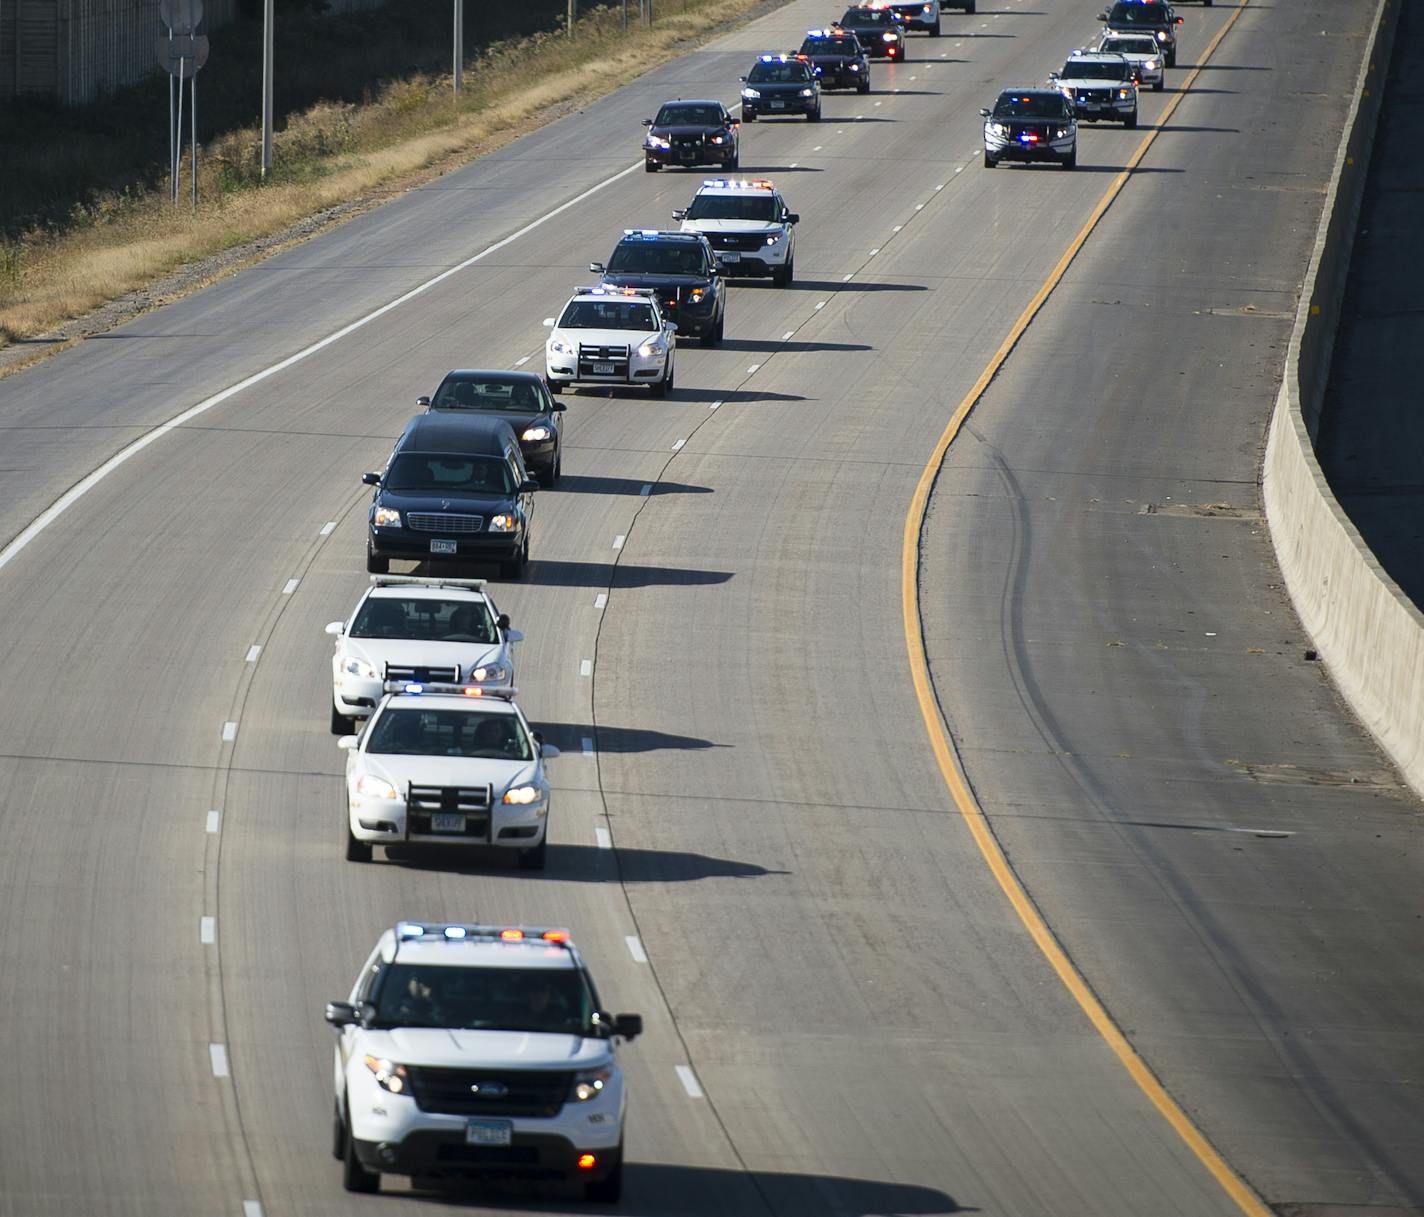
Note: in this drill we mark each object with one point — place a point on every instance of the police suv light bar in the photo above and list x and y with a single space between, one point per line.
454 931
641 234
724 183
600 290
474 585
417 688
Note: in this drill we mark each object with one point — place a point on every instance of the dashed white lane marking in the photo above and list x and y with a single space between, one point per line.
817 148
585 667
715 404
328 528
214 819
521 361
290 586
940 186
603 837
689 1081
897 228
945 54
677 445
229 732
841 131
919 206
959 169
217 1053
751 371
253 652
787 335
207 930
251 1208
875 251
619 539
914 78
646 490
845 278
600 601
587 742
821 304
792 165
635 948
878 103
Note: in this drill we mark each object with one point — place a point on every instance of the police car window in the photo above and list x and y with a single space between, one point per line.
607 315
690 116
552 1000
1030 105
1128 12
734 207
869 17
518 395
438 474
1077 69
423 620
402 731
1130 46
654 258
778 73
830 46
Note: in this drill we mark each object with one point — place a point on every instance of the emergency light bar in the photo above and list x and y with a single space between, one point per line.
418 688
454 931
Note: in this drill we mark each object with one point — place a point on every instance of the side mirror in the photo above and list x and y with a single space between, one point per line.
558 407
984 113
1102 16
528 485
736 124
1180 21
679 213
502 621
336 628
538 737
341 1014
347 743
371 479
793 217
647 122
596 267
549 321
423 400
548 751
514 635
743 79
1052 77
629 1026
672 327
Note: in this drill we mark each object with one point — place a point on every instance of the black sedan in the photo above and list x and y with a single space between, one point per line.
879 30
780 85
520 398
837 59
691 133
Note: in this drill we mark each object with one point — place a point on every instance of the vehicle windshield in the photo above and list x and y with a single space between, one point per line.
449 474
683 115
516 395
658 258
551 1000
1030 105
424 620
830 46
1130 46
595 314
1080 69
778 73
1126 12
734 207
429 731
867 17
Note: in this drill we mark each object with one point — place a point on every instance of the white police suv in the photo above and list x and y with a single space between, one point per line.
447 765
611 336
748 224
406 627
476 1051
1100 86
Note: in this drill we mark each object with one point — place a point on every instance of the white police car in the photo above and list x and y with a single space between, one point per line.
748 224
1100 86
1143 53
447 765
475 1051
611 336
406 627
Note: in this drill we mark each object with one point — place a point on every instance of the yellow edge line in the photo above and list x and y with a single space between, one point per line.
1245 1199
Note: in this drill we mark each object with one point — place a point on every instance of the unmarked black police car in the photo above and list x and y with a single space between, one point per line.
522 399
1145 17
837 59
681 269
780 84
879 30
691 133
1030 125
456 490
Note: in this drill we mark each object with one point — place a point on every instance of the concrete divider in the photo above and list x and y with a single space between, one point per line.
1370 635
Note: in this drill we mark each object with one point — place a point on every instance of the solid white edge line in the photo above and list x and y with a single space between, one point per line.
251 1208
689 1081
635 948
600 601
585 667
253 652
229 731
87 483
214 819
290 586
217 1055
603 837
207 930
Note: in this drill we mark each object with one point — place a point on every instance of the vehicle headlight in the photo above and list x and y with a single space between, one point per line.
717 139
560 348
375 788
855 67
386 516
485 672
998 129
360 668
889 37
390 1076
535 433
589 1084
506 522
696 294
808 92
657 141
751 94
927 10
1124 92
1150 64
653 346
522 795
773 238
1161 35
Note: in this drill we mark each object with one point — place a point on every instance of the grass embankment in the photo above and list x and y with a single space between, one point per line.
328 154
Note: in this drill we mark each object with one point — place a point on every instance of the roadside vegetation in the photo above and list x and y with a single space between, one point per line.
365 108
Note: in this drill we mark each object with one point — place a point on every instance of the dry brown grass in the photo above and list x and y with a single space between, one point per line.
331 155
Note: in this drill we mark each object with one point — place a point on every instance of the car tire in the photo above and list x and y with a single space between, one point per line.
555 471
1130 122
784 273
1171 59
341 724
514 568
748 116
338 1132
863 85
934 29
1072 161
969 8
1159 85
535 858
814 116
989 161
609 1189
375 565
555 386
354 1176
651 166
713 337
356 851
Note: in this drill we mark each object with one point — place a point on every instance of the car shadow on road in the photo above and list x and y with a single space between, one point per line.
778 169
570 736
556 573
729 396
770 344
579 863
653 1189
577 483
855 285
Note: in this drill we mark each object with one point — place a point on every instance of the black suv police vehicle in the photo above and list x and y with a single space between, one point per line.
1145 17
681 268
780 84
880 31
837 59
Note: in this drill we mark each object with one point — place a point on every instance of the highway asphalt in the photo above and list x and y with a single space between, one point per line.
869 1027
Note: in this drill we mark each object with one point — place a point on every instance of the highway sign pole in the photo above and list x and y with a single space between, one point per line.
267 66
193 112
459 46
573 16
172 136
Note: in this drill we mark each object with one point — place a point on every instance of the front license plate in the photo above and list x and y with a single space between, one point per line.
603 369
447 822
444 547
489 1132
778 105
730 257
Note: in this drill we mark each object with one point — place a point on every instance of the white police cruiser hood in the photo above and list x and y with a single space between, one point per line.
400 770
466 1049
769 227
422 653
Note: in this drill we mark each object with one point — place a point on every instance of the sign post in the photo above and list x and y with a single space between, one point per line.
181 54
459 46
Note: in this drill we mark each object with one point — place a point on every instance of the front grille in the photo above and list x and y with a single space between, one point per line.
472 802
692 146
432 521
1095 97
745 242
589 354
527 1093
402 671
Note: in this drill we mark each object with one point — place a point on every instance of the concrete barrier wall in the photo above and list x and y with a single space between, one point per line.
1369 634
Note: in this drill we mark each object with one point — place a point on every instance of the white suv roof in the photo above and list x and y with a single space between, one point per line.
480 946
735 186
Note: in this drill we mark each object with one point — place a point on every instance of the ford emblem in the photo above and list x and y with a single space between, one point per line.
489 1090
